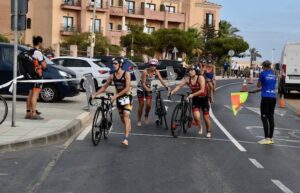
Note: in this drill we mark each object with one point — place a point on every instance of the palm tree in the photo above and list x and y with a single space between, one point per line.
253 55
227 30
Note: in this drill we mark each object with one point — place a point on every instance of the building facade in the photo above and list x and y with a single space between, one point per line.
56 19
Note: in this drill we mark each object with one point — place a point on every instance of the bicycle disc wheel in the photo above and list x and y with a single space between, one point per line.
108 124
3 109
96 129
176 125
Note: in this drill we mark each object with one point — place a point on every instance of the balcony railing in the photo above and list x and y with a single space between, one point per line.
71 4
67 30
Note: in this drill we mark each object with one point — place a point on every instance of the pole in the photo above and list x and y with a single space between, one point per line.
93 31
273 55
15 65
131 52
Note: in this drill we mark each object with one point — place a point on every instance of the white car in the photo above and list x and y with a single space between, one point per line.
81 66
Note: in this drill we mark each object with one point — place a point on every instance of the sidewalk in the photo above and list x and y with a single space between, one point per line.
62 120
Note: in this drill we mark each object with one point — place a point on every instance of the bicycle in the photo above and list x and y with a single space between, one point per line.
3 109
102 121
160 108
182 116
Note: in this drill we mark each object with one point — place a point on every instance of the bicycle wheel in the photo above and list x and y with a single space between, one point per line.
3 109
158 112
187 122
163 114
96 129
176 123
107 124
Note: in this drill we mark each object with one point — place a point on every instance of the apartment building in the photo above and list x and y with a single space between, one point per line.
56 19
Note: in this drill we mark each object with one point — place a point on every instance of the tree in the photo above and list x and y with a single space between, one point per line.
253 55
3 38
227 30
82 40
208 32
166 39
140 42
219 47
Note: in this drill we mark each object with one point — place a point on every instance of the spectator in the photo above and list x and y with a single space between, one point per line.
31 112
225 69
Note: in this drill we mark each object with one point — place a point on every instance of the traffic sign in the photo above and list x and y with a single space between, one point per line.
231 53
175 50
21 25
22 7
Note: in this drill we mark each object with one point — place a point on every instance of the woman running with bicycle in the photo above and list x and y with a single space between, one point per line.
199 97
123 97
144 89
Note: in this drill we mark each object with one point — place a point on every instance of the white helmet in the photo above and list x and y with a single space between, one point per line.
153 61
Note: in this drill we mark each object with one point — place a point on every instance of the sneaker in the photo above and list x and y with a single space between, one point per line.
146 120
200 132
38 112
208 135
264 141
124 142
37 117
27 116
271 141
139 124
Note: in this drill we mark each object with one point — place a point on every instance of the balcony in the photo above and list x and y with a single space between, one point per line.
155 15
176 17
67 30
71 4
100 7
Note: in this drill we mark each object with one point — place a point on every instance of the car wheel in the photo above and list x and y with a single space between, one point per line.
82 85
49 93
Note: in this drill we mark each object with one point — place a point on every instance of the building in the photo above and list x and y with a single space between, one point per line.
56 19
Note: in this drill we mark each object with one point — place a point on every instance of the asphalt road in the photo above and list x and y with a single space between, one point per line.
231 161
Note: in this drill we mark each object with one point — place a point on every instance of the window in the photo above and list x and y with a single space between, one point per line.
75 63
130 6
7 59
127 28
150 6
150 29
170 9
28 23
97 27
98 3
111 2
68 23
110 26
210 19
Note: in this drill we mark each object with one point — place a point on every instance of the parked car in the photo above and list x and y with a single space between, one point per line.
83 66
177 66
51 91
289 68
127 66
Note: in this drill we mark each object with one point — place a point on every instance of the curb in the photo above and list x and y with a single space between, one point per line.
62 134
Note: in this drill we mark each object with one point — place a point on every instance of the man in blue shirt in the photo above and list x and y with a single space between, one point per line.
267 84
225 69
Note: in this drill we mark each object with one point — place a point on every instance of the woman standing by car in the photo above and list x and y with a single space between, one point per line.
144 89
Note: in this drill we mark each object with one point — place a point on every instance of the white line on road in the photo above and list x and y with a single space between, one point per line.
281 186
84 133
256 163
232 139
3 174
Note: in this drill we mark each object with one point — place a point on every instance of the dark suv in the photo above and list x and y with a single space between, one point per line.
177 66
51 91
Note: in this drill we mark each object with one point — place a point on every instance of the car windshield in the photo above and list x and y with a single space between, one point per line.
131 62
48 61
99 63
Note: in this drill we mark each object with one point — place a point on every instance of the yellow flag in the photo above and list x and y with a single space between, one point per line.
237 100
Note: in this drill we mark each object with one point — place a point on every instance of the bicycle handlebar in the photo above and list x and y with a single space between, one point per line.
102 98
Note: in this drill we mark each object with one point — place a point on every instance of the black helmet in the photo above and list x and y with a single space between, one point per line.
118 60
196 68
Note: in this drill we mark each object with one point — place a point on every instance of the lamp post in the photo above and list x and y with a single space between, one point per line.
273 55
92 37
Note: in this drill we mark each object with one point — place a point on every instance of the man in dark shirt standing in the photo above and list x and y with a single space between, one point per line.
267 84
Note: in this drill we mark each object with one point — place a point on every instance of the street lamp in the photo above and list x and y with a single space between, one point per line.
273 55
92 37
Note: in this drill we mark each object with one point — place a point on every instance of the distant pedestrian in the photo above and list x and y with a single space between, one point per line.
225 69
267 84
40 65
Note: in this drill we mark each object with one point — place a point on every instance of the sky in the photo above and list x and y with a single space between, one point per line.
264 24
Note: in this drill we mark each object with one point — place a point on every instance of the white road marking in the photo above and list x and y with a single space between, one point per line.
84 133
232 139
256 163
281 186
3 174
199 138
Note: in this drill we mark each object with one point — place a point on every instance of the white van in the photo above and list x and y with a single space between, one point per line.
290 68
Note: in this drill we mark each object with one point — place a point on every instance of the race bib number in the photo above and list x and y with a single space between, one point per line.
124 100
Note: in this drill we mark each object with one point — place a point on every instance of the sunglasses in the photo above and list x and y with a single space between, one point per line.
115 63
